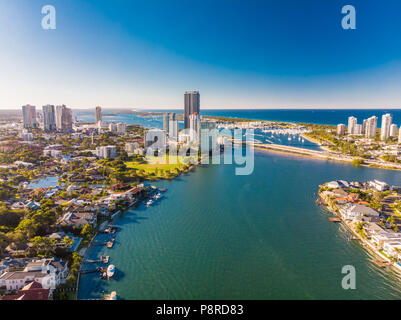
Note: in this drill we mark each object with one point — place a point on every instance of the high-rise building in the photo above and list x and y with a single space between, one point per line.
194 121
364 124
191 105
98 114
59 112
173 127
49 118
29 116
66 119
121 128
208 135
166 121
358 129
341 129
393 130
371 127
352 121
385 127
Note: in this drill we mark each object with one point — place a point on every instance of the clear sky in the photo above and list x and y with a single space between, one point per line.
237 53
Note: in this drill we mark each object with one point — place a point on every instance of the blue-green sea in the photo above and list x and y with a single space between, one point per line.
216 235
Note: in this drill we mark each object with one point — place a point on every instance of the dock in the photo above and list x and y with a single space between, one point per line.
102 259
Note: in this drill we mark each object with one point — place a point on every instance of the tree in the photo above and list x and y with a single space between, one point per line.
87 231
43 246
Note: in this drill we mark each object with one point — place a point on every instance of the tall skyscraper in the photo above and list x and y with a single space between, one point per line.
166 122
393 130
49 118
194 121
66 119
59 112
371 127
191 105
385 127
29 116
173 127
364 124
98 114
352 121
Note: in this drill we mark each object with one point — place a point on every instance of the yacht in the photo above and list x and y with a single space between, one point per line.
111 269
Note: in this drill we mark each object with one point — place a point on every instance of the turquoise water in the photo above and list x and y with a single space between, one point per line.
157 122
216 235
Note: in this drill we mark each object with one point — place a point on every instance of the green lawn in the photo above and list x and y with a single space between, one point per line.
152 167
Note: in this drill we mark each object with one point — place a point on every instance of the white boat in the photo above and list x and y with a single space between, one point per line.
149 202
111 269
113 295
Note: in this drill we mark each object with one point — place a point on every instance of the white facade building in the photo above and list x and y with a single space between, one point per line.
385 127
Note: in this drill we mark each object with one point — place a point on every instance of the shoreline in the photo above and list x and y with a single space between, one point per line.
365 243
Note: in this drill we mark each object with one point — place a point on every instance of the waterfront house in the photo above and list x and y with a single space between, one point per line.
392 248
356 212
31 291
337 184
379 185
17 280
380 238
78 219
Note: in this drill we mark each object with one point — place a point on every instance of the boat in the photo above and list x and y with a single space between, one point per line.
110 243
149 202
111 269
163 190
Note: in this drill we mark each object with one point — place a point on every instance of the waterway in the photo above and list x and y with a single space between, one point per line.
216 235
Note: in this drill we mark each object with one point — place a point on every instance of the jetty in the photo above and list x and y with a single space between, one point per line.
102 259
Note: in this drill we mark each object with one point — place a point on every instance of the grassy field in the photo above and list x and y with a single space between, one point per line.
152 168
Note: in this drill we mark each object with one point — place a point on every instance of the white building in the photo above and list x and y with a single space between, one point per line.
48 272
393 130
371 127
341 129
380 238
356 212
106 152
379 185
352 121
121 128
194 120
173 129
385 127
391 248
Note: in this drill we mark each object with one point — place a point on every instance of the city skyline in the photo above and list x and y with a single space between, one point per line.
263 56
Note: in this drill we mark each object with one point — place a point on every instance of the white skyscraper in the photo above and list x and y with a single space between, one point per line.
173 127
121 128
194 121
393 130
371 127
352 121
385 127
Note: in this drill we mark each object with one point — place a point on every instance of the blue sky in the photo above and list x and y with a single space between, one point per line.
238 54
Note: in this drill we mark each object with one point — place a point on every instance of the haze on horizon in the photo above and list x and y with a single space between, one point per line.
254 54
